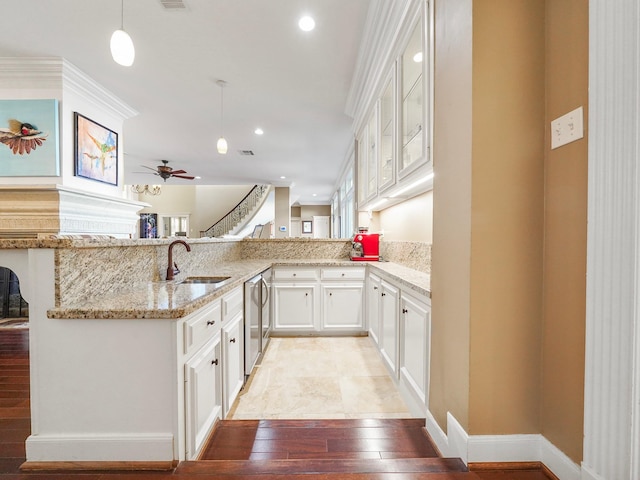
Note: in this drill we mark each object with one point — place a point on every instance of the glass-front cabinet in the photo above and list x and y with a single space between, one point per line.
372 155
393 161
387 157
412 95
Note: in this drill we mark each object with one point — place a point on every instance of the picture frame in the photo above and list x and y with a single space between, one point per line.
96 150
29 138
307 226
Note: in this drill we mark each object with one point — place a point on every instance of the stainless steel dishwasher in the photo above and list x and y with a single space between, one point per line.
257 319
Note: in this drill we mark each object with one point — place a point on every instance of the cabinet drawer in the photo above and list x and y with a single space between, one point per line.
349 273
201 327
232 303
295 273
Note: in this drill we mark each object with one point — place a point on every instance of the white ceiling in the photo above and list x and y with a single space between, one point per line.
292 84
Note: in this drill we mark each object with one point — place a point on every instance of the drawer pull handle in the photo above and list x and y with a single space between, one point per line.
232 340
214 362
211 322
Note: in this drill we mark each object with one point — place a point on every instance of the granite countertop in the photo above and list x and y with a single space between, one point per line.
173 299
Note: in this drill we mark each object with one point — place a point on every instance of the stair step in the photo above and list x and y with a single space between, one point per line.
324 466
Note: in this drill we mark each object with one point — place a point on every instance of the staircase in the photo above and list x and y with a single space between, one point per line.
324 449
240 215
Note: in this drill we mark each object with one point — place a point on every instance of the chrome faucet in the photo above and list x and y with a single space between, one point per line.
172 269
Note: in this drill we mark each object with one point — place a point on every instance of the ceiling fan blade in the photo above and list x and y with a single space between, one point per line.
178 171
144 166
183 176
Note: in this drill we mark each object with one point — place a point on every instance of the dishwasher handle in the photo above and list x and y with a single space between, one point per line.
266 287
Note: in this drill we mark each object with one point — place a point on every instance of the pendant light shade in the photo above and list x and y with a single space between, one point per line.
222 146
122 49
222 142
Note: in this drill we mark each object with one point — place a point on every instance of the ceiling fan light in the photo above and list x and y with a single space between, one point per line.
122 49
222 146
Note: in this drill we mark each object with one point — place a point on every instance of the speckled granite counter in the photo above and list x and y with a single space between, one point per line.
171 300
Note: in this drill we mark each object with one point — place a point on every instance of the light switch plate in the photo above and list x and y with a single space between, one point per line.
567 128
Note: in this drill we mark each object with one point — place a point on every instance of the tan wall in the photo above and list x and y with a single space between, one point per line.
449 381
411 220
565 231
507 216
308 211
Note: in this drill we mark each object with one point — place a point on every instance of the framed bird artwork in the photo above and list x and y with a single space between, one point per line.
29 138
96 151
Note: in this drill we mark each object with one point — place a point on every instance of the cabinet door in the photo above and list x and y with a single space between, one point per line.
342 307
203 394
232 360
414 346
373 307
294 307
389 325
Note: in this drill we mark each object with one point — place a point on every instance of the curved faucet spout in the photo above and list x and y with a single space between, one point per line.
172 268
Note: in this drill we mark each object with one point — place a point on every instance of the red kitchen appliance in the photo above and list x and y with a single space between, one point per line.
365 247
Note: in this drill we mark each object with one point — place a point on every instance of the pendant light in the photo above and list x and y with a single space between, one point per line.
222 142
122 49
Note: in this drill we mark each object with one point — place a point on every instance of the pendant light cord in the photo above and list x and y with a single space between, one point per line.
122 15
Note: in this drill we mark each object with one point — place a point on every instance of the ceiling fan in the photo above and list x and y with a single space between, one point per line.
165 171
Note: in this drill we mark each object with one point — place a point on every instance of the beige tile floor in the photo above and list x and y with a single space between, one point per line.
320 377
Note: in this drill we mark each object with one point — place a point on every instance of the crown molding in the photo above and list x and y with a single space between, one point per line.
22 73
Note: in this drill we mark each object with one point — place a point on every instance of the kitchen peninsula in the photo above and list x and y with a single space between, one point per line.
119 356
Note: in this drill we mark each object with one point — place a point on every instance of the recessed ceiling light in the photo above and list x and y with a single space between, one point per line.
258 131
314 194
306 23
282 177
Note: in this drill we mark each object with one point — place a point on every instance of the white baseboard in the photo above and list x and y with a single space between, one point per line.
103 448
438 436
588 474
502 448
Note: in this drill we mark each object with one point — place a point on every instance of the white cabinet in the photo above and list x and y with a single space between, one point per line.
342 299
233 359
342 307
319 300
388 341
294 307
415 328
213 347
373 307
203 394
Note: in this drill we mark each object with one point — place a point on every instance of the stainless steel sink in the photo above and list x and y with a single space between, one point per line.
205 279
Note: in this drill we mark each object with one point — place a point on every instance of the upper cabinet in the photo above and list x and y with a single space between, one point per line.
386 170
393 157
412 102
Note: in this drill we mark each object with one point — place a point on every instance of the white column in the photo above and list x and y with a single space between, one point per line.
613 251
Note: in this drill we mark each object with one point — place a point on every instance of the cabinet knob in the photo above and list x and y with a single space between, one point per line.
232 340
295 274
383 294
343 274
211 322
330 294
375 288
306 294
404 310
214 362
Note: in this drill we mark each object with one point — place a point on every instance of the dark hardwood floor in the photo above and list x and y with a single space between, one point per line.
277 449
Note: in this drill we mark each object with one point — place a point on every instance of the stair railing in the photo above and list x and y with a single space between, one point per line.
237 213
